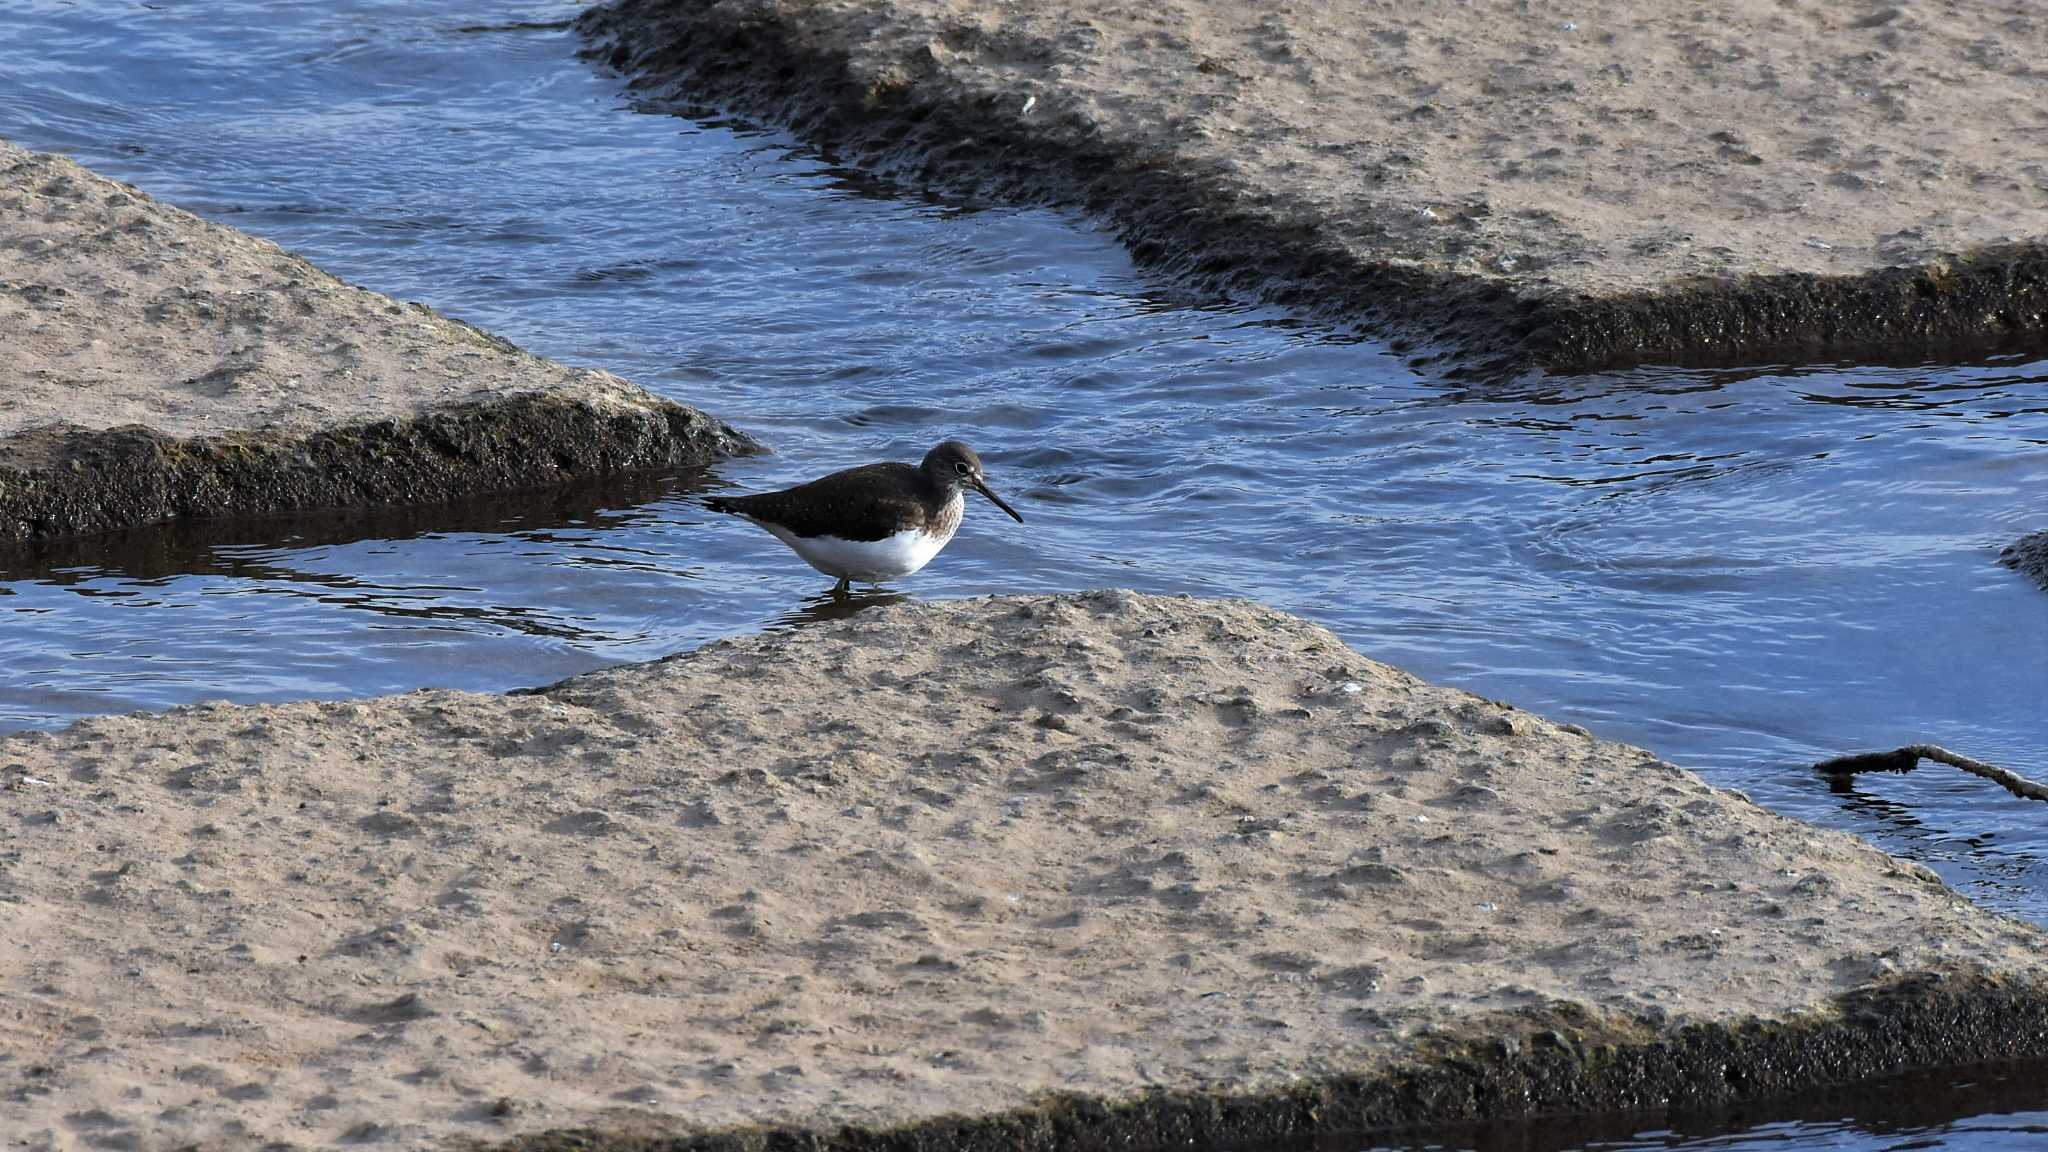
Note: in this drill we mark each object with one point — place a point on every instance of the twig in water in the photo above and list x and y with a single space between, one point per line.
1907 758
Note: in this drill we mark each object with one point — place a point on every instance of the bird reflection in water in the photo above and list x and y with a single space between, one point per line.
827 606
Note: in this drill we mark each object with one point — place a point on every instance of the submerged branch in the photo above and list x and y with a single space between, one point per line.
1907 758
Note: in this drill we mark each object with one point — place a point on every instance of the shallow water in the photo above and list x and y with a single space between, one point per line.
1745 571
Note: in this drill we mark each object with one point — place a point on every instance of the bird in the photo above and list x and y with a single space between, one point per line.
875 522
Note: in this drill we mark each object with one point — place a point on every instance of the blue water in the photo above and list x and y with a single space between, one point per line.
1745 571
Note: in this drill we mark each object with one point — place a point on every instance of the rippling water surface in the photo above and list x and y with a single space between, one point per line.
1745 571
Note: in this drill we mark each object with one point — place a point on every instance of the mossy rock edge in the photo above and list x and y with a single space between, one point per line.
1556 1060
89 482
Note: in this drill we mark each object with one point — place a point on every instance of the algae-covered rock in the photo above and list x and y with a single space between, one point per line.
1609 184
2029 556
159 365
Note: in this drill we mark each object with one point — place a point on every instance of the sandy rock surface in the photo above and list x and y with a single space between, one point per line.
935 858
158 365
1595 150
118 309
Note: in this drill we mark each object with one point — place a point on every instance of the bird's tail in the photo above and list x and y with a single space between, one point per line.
721 504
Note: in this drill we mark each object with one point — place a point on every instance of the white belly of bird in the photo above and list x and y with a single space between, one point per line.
868 561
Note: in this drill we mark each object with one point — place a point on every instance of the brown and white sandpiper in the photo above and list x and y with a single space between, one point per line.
875 522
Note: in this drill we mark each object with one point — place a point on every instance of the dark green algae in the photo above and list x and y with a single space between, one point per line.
1214 232
89 482
2028 556
1551 1061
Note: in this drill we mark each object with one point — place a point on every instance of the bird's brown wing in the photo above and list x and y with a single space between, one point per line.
870 502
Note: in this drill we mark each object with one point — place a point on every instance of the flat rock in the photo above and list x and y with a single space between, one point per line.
1608 182
843 876
159 365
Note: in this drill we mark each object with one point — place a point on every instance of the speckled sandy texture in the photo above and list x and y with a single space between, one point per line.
134 328
1594 181
937 858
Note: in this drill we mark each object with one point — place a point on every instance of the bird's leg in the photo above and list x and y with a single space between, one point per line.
840 589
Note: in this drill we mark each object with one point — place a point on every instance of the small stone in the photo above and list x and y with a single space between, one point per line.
1814 884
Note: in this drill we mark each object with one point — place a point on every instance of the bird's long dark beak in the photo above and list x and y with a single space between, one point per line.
995 499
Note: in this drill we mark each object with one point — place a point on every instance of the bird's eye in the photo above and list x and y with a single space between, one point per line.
962 468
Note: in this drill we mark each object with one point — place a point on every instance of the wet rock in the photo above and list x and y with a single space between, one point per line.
144 398
1157 926
2029 556
1230 152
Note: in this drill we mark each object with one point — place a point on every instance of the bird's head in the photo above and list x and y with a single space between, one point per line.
953 466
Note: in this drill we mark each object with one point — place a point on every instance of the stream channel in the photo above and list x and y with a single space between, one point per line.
1745 571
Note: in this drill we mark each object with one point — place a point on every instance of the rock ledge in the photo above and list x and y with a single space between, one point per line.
1049 872
162 366
1736 182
